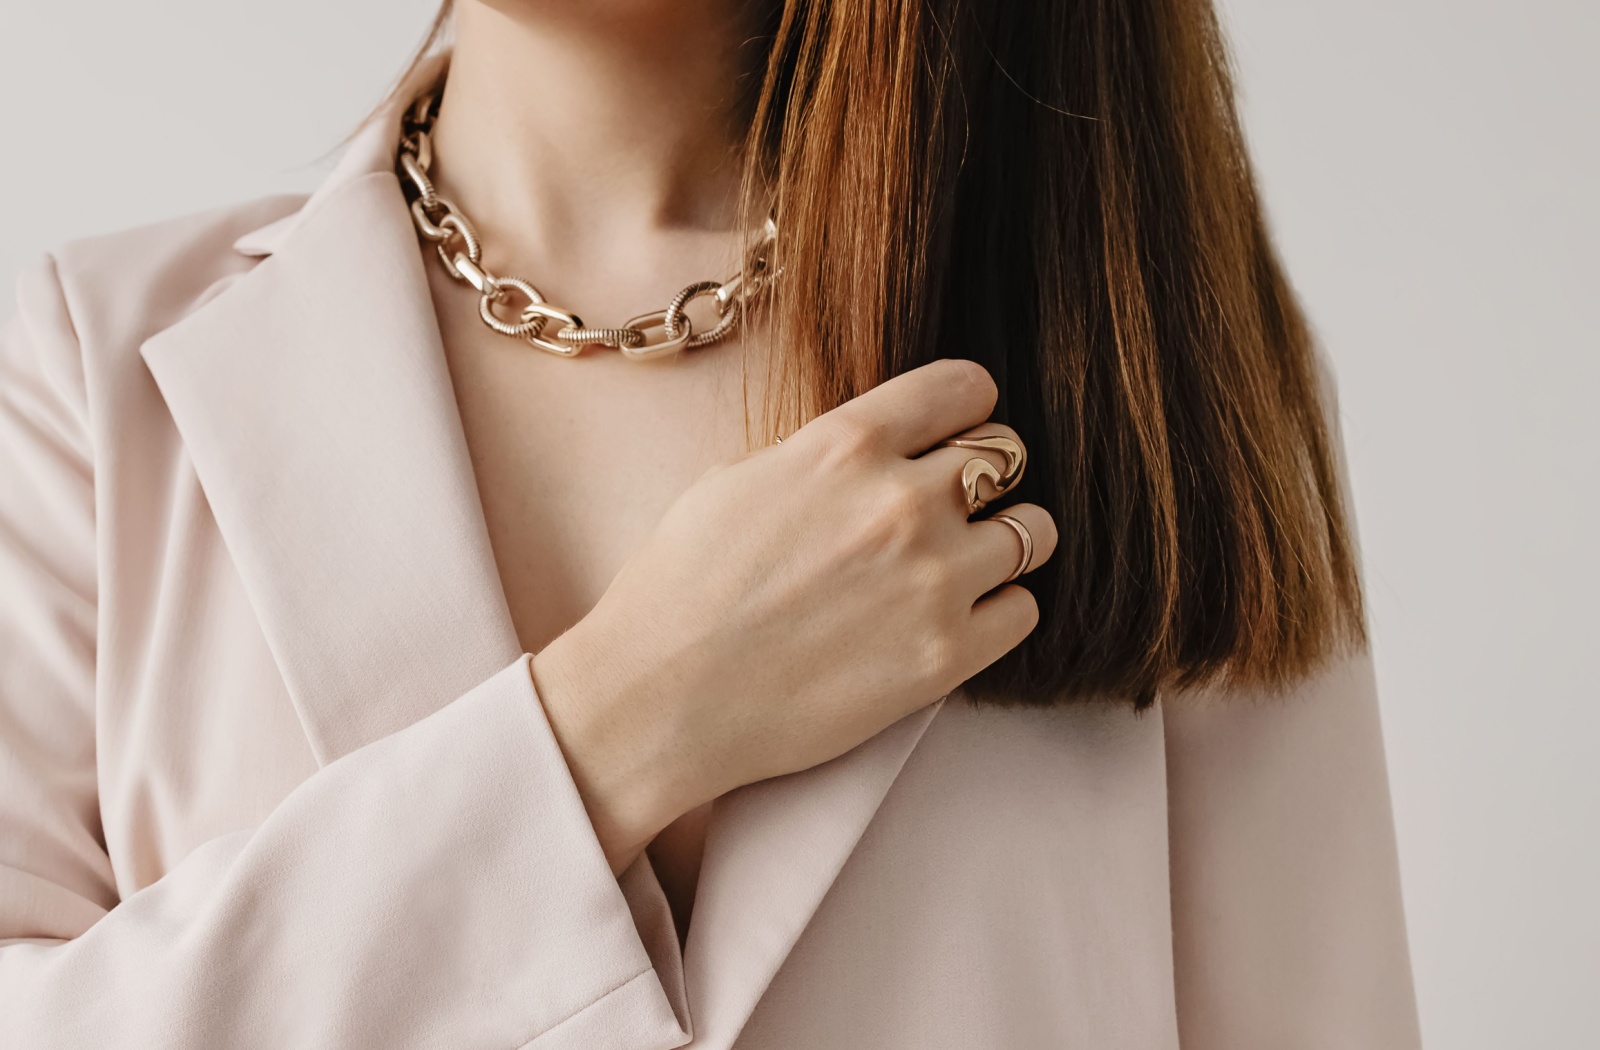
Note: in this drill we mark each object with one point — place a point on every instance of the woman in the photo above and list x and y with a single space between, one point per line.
293 490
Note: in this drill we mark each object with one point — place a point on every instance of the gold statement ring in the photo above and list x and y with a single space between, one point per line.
980 473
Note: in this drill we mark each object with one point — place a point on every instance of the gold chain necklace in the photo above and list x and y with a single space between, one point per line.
453 235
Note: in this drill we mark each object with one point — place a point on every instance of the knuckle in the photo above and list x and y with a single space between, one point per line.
849 435
904 500
939 657
895 515
934 587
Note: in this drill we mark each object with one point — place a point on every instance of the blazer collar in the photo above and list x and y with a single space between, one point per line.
314 401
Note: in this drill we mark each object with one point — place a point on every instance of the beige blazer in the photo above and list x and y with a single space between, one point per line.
273 772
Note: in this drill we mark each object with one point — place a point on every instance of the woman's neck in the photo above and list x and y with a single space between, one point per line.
596 138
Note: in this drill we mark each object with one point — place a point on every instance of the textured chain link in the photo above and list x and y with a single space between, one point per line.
515 308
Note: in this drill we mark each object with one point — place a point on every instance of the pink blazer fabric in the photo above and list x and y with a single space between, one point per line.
273 772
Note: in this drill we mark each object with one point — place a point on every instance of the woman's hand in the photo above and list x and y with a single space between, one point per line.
790 605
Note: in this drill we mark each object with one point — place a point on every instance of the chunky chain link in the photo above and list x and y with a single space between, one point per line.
514 307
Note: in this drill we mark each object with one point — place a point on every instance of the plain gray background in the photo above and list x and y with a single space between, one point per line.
1431 168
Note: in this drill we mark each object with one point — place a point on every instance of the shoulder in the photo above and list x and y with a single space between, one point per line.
83 310
116 290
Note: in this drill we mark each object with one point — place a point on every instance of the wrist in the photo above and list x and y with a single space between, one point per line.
621 759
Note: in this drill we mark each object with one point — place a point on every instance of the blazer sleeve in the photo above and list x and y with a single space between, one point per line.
1287 923
1288 929
440 887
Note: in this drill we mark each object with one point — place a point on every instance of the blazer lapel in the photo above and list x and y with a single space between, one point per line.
313 398
773 850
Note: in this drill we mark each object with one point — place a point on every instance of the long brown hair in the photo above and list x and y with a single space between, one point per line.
1059 190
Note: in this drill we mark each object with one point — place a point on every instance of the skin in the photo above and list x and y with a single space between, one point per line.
703 616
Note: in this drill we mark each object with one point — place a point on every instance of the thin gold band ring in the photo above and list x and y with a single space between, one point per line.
1027 544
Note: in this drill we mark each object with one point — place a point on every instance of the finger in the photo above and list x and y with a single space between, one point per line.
1000 621
992 550
916 409
943 466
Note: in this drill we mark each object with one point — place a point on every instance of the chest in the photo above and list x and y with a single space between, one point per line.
577 459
